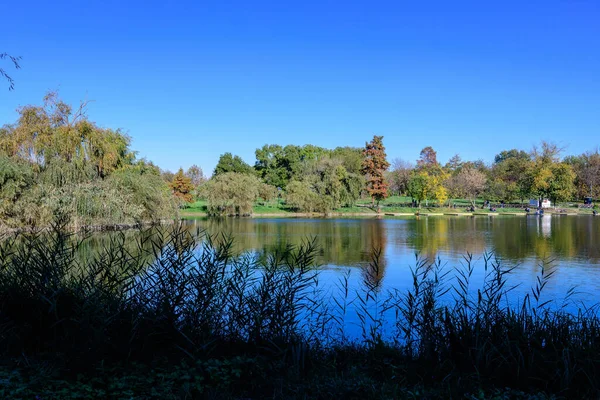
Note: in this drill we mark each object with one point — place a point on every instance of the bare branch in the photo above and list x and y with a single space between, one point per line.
4 74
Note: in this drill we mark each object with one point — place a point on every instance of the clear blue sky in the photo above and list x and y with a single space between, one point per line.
192 80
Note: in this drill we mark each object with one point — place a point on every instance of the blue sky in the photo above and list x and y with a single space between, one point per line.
189 81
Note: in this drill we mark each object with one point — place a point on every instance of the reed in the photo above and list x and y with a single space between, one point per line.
264 325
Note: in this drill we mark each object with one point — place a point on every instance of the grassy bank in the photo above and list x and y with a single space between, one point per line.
178 315
393 204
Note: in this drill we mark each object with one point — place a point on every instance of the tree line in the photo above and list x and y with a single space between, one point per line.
314 179
514 176
54 159
309 178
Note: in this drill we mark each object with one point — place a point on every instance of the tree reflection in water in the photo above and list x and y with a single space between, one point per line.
349 242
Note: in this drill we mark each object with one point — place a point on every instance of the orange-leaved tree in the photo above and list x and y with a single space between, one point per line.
373 167
182 186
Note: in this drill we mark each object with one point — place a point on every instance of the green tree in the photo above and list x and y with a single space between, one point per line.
546 153
328 183
278 165
587 171
145 191
351 158
15 178
57 131
270 165
511 154
454 164
230 163
353 186
418 186
562 183
373 167
549 178
267 192
424 186
509 176
182 186
333 186
69 164
232 193
143 167
300 197
538 180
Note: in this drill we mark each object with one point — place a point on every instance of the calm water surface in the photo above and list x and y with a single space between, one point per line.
570 245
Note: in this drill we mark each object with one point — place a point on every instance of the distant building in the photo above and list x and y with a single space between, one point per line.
545 203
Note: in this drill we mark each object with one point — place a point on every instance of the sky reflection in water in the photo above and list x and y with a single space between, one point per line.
570 242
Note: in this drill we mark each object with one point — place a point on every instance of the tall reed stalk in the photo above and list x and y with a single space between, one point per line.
181 295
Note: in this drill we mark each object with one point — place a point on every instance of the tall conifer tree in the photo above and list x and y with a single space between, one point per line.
373 167
182 186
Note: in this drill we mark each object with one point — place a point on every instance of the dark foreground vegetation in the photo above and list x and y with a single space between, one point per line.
178 315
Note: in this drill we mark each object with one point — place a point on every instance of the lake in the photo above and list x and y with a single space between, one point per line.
568 245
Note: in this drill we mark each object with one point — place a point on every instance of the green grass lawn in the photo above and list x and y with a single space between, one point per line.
270 208
197 206
200 208
393 204
390 200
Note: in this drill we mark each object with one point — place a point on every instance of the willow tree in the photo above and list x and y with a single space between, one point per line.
374 166
15 178
58 131
74 166
15 61
231 193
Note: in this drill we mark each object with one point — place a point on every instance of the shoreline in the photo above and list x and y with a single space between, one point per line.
4 230
184 215
192 215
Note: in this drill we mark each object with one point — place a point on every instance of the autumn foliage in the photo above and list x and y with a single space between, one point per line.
373 167
182 186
